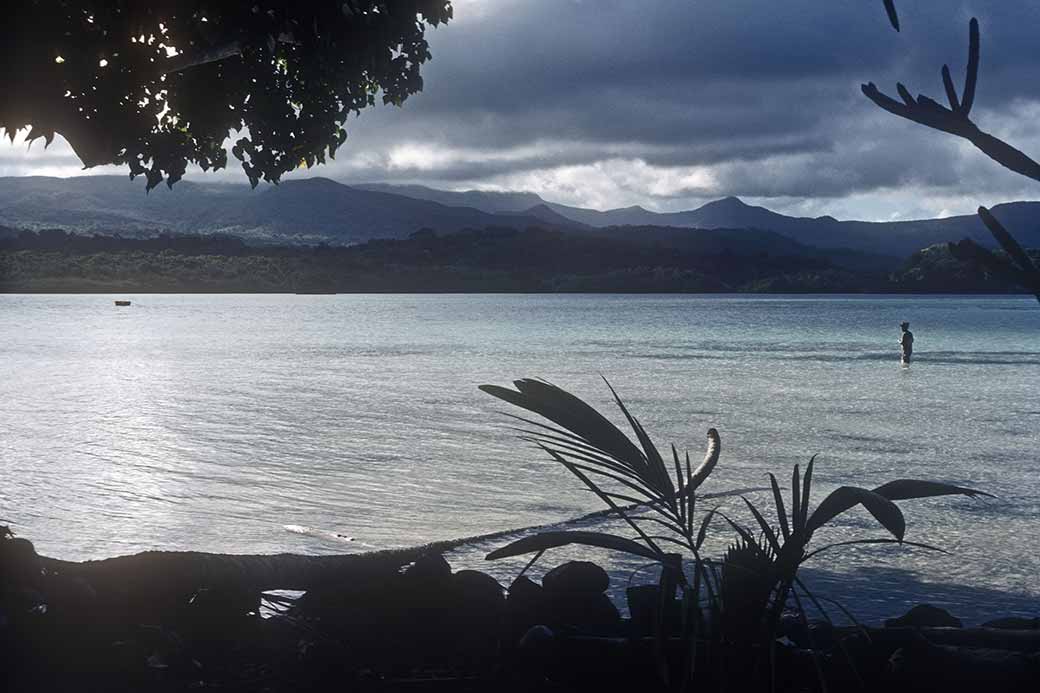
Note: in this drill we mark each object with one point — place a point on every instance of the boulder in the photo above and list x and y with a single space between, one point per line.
924 616
525 607
429 569
427 584
583 611
478 597
468 632
576 577
525 594
478 587
530 604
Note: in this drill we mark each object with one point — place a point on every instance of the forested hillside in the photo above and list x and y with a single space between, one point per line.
491 259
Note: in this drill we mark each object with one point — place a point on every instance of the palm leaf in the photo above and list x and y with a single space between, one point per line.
807 489
703 531
841 499
602 496
797 521
585 442
839 544
746 535
691 497
599 467
654 462
781 511
628 499
904 489
766 529
671 526
624 498
671 540
679 485
572 413
551 540
572 442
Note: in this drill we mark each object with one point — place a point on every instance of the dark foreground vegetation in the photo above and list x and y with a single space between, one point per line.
381 622
630 259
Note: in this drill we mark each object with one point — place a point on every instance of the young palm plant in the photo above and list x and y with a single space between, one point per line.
588 445
625 477
787 544
747 594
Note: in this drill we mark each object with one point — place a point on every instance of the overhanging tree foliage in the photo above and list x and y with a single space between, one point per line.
158 84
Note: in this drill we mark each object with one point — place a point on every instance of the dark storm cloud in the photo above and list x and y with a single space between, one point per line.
616 102
766 92
760 65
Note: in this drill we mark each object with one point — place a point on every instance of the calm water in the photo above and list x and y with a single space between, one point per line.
216 422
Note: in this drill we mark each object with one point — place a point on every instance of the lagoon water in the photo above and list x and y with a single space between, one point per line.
260 424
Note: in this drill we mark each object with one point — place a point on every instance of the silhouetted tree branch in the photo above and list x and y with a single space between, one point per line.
998 267
956 121
890 8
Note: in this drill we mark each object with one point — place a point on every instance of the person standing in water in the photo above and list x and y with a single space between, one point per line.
906 342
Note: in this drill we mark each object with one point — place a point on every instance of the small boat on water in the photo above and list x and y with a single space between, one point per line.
122 303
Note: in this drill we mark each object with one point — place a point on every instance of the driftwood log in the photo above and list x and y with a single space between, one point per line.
164 578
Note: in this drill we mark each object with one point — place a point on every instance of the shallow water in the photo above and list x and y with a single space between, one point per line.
216 422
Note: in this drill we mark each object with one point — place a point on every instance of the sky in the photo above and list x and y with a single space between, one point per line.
669 104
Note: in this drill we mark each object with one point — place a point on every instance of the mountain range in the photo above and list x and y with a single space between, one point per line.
316 210
897 238
300 211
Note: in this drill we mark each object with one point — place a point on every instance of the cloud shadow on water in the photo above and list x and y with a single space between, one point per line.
874 593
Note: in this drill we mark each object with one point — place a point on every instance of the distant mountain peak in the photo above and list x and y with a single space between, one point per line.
315 181
728 202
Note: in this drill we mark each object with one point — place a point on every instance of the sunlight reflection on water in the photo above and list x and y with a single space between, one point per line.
212 422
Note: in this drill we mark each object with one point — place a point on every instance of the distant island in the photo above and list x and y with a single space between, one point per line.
104 234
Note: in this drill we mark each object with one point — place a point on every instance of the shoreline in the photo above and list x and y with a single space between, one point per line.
973 604
407 620
208 291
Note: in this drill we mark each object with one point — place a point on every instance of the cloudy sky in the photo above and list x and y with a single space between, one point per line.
671 103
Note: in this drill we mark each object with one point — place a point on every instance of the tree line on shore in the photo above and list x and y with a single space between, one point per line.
630 259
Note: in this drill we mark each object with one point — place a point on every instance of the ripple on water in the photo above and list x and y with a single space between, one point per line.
212 422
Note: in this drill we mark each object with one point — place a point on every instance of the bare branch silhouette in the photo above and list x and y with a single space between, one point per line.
1030 274
956 121
955 118
890 7
971 252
